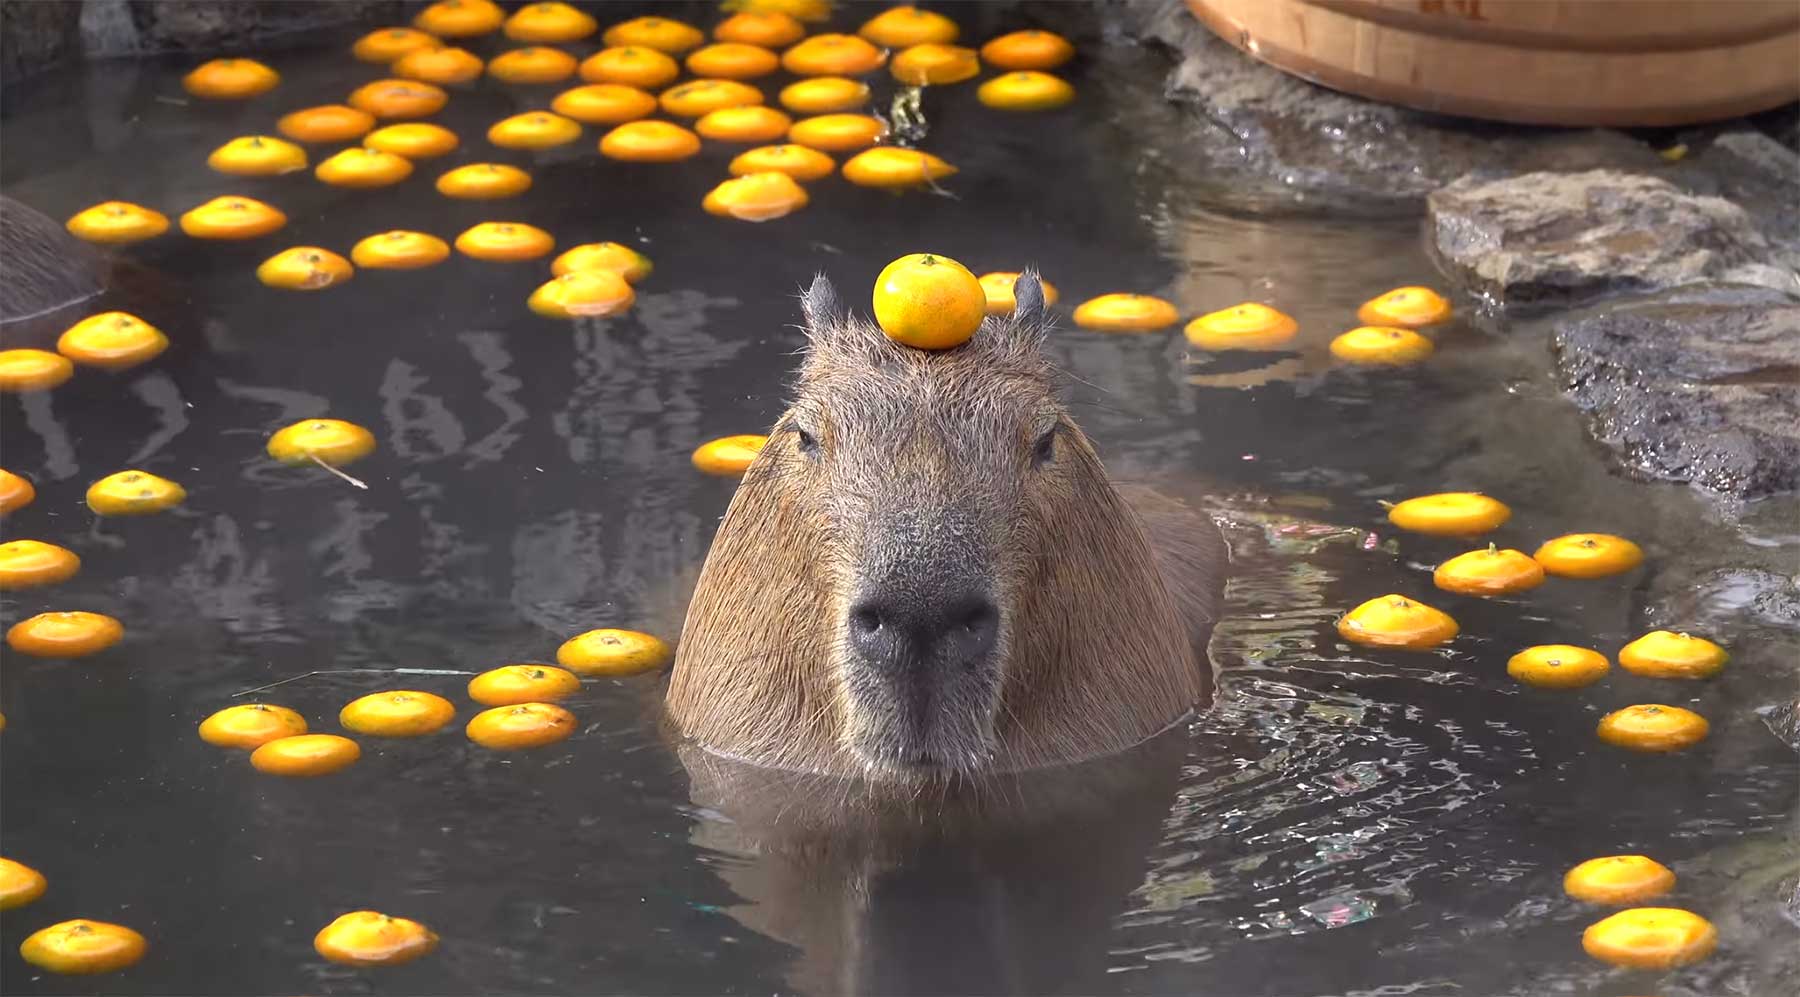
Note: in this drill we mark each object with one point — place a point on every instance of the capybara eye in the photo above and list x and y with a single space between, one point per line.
1045 450
805 442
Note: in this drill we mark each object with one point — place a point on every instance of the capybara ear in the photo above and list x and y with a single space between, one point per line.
821 307
1028 300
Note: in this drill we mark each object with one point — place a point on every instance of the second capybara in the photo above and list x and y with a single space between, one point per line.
47 269
927 575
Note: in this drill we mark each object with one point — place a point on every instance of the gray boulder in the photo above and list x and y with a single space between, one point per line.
1556 238
1277 137
1701 386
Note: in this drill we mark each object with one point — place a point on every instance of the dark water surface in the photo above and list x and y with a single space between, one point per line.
1345 821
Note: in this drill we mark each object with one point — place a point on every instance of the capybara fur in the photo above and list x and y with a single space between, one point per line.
926 574
46 268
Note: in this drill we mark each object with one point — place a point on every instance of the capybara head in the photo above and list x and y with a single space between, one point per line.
926 572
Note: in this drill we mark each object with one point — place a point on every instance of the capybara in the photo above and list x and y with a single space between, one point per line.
47 269
926 575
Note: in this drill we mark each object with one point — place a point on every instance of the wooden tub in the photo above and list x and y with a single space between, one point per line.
1576 62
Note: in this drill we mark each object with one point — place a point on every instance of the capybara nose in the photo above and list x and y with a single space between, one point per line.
902 632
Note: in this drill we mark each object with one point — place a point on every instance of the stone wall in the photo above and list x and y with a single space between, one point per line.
37 34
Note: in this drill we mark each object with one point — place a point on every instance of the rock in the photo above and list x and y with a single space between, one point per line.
1558 238
1265 135
36 36
219 26
1700 386
1754 170
1784 722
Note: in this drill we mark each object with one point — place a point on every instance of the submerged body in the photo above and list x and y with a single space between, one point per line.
926 576
47 269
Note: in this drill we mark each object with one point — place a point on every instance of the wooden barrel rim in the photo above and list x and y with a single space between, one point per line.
1491 33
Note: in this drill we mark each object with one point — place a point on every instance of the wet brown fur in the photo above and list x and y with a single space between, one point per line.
1110 594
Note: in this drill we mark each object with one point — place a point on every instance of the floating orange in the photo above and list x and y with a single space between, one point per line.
756 197
116 223
505 242
906 25
399 99
769 29
399 713
659 33
582 294
232 217
536 64
484 182
628 263
934 63
613 652
413 140
64 635
1618 879
16 492
31 563
1396 621
83 947
894 168
1126 313
732 61
824 95
363 168
998 288
332 441
928 301
306 755
838 132
511 685
326 123
1025 90
444 66
1450 514
1381 345
1558 666
523 725
257 156
832 55
384 45
754 123
399 250
1588 555
1247 326
305 268
631 65
1653 727
697 97
33 370
796 161
1408 307
1657 938
20 884
112 340
370 938
230 79
1489 572
604 104
134 494
460 18
1029 49
549 24
251 725
1661 654
728 456
534 130
649 142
